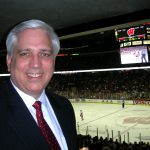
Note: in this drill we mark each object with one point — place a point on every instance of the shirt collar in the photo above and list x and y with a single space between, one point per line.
29 100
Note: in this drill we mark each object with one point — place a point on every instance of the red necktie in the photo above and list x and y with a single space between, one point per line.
45 129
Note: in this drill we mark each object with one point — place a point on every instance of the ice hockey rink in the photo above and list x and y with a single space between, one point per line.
131 123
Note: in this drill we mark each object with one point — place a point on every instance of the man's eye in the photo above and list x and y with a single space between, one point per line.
24 54
46 54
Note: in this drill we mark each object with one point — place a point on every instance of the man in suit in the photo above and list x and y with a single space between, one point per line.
32 47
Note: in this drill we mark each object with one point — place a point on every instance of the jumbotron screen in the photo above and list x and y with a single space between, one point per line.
134 54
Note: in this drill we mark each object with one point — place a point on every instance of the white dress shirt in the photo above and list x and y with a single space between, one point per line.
48 114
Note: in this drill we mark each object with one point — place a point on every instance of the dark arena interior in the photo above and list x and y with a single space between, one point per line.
103 66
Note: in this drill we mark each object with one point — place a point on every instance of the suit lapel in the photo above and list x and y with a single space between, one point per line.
60 112
22 122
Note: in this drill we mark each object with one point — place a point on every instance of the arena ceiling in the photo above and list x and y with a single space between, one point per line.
78 23
72 16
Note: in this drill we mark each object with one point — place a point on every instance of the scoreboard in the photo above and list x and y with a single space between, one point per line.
134 36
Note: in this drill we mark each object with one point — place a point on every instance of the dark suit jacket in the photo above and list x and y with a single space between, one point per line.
18 129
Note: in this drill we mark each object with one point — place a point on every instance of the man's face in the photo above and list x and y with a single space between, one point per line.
32 63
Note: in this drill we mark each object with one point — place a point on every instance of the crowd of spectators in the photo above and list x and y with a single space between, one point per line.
101 143
131 84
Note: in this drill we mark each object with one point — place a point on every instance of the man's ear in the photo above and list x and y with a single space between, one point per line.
8 61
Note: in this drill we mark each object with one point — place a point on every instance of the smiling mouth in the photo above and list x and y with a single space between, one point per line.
34 75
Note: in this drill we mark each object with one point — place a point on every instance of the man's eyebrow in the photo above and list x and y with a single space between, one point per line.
42 49
46 50
22 50
26 49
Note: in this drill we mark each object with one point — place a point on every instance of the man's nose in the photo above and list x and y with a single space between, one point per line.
35 61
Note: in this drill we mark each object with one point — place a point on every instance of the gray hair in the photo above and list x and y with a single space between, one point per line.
12 36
